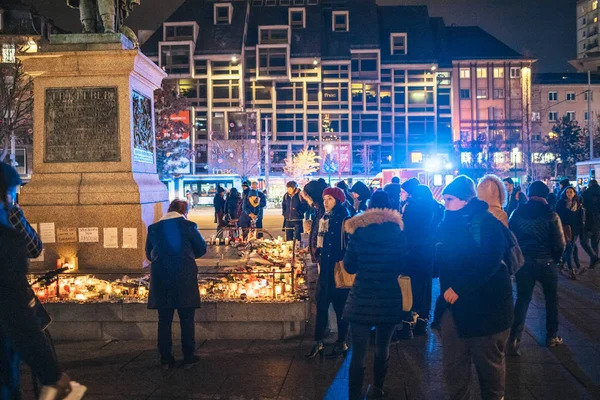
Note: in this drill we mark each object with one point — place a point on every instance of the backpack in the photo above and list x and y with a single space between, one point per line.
513 257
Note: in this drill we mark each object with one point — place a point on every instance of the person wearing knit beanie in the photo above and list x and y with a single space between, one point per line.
462 187
409 185
538 189
336 193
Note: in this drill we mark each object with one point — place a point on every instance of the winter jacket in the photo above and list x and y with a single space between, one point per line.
539 232
293 207
376 253
515 199
364 194
219 203
474 271
570 217
319 211
248 208
418 218
20 330
334 248
493 192
232 207
591 205
393 190
172 247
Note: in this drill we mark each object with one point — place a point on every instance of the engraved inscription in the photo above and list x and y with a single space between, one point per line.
81 125
143 135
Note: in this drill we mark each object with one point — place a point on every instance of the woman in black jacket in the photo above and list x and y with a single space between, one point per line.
172 246
476 305
331 246
570 211
361 194
376 253
313 195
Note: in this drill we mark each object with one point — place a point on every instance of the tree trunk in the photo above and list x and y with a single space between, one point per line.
4 153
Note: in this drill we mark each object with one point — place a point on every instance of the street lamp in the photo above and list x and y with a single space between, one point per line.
329 149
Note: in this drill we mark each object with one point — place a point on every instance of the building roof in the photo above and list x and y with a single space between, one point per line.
415 22
571 78
473 43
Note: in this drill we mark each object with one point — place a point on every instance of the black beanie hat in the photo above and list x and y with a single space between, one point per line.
509 181
538 189
380 199
9 176
462 187
410 185
314 189
565 182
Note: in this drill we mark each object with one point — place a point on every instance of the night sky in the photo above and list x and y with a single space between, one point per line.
544 29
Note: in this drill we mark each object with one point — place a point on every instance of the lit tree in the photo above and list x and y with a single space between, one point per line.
301 165
16 105
565 145
172 153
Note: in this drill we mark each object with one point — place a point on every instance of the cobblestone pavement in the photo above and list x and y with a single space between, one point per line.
244 370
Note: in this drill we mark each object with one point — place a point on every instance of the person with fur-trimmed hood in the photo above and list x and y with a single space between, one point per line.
313 195
376 254
331 246
491 189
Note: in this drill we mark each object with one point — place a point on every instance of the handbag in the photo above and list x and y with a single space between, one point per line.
406 290
343 280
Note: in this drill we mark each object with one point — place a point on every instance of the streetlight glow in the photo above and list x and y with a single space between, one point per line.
328 148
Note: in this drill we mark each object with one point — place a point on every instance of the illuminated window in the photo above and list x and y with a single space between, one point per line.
339 21
498 72
416 157
595 5
465 73
398 41
222 14
595 19
466 157
498 157
8 53
482 72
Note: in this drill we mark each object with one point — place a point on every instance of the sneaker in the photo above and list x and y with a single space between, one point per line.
554 341
513 348
190 362
167 363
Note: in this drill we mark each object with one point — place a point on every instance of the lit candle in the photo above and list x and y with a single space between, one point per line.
226 241
203 291
80 297
142 291
278 290
288 288
217 241
288 266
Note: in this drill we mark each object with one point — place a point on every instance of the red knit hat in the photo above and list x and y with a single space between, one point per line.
336 193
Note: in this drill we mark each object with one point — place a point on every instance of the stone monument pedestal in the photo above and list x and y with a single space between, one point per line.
94 156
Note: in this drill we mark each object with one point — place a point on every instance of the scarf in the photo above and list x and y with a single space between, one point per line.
323 228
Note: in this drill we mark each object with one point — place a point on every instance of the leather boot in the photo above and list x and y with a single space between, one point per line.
355 381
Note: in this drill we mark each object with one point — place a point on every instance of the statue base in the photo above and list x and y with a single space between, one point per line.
94 162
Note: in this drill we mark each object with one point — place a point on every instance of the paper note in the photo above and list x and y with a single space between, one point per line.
66 235
88 235
40 258
47 232
130 238
111 238
35 227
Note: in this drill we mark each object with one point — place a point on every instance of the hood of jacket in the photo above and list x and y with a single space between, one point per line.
362 190
374 216
492 191
533 210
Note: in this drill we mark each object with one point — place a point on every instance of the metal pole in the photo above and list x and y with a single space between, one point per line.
13 156
267 157
589 104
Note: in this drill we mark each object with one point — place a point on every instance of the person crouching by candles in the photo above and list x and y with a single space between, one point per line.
331 246
475 308
377 255
172 246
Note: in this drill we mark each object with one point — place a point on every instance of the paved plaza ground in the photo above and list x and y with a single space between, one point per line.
244 370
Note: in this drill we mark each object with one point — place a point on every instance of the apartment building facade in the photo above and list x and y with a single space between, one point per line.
383 86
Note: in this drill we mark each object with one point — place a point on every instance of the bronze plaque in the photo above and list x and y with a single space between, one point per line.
81 125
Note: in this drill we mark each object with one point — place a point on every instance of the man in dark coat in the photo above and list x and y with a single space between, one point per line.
475 308
539 232
515 196
261 209
313 195
591 232
172 246
422 214
21 335
293 208
219 204
393 189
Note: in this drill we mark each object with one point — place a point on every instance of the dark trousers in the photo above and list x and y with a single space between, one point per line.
360 343
338 299
293 230
572 254
526 277
422 286
186 321
589 243
259 227
486 352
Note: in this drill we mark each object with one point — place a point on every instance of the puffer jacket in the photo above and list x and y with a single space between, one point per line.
573 216
539 232
591 205
364 194
376 253
493 192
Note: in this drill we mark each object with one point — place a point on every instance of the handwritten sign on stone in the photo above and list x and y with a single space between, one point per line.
81 125
66 235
